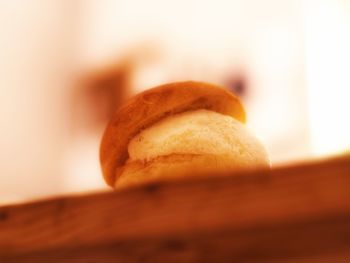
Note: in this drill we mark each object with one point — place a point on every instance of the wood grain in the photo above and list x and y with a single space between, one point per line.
290 214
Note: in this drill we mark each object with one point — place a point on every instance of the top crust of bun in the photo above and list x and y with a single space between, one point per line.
150 106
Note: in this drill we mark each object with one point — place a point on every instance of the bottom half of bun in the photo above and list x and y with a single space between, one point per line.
184 165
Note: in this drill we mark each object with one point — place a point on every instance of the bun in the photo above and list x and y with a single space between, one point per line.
182 165
148 108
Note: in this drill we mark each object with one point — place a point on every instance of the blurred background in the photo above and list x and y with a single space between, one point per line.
66 65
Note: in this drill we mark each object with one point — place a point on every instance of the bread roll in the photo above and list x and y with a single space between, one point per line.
178 129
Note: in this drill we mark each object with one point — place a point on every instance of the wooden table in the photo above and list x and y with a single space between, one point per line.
291 214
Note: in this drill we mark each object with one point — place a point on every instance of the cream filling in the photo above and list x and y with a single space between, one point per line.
197 132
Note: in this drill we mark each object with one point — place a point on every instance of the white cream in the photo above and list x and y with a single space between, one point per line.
197 132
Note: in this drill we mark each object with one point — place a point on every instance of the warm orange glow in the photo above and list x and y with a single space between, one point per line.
291 57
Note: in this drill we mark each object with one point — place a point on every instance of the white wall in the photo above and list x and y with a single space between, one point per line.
36 48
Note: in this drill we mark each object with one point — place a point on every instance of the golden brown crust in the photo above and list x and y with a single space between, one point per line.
182 165
150 106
